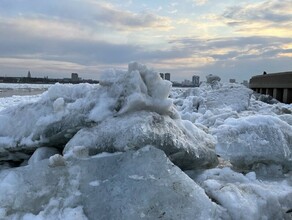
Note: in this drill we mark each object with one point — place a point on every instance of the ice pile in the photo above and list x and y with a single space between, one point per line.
248 132
255 139
254 177
249 196
133 148
128 110
132 185
209 105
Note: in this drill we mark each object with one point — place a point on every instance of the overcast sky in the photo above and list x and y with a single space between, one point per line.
230 38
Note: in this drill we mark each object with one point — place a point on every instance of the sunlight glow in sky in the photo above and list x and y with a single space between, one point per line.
231 38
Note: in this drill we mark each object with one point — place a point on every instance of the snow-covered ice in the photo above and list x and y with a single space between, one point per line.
255 139
132 147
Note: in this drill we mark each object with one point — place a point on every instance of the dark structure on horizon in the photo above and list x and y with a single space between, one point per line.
167 76
277 85
35 80
196 81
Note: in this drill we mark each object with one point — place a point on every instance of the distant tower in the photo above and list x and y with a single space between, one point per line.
74 77
196 81
28 74
167 76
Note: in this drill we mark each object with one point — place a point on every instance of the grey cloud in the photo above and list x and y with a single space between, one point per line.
23 44
229 55
287 51
19 43
127 19
232 41
237 47
89 13
270 11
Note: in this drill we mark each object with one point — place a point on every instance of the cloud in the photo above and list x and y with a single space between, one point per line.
108 14
182 56
44 41
269 11
81 51
85 12
268 18
91 35
200 2
236 47
234 57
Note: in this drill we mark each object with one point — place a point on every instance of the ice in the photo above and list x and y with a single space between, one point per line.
245 196
42 153
65 214
224 97
94 183
210 106
17 86
121 150
128 110
59 105
287 118
77 151
16 100
57 160
213 80
185 144
117 191
138 89
50 121
267 99
255 139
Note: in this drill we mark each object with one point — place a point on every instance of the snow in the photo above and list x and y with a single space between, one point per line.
131 147
188 148
41 154
245 196
136 112
15 100
255 139
94 183
17 86
114 192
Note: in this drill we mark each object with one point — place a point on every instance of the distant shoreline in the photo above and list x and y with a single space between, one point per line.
36 80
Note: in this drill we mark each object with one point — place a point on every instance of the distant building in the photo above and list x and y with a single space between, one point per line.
162 75
28 74
196 81
187 82
277 85
167 76
232 80
245 83
74 77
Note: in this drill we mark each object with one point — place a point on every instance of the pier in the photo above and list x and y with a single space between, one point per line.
277 85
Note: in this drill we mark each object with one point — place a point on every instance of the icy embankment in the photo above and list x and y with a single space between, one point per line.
254 142
16 100
255 139
132 185
126 112
122 149
248 132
